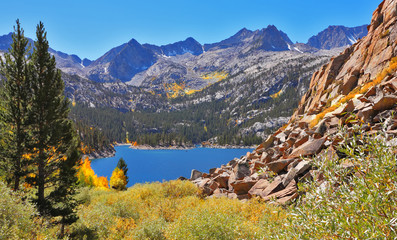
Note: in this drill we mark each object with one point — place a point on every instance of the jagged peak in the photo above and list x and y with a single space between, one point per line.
133 42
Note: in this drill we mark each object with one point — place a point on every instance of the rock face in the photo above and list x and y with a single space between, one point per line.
121 63
190 45
360 83
337 36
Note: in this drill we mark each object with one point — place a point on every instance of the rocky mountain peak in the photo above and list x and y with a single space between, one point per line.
337 36
134 43
244 32
357 86
272 39
5 41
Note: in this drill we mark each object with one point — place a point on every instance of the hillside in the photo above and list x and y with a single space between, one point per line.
355 91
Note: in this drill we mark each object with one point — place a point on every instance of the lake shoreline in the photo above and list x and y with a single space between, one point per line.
148 147
189 148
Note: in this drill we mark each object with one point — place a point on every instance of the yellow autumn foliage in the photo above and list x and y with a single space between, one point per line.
219 76
174 90
176 210
276 95
358 90
118 180
88 177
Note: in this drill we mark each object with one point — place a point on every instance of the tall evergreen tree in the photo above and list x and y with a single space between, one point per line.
15 97
123 166
55 139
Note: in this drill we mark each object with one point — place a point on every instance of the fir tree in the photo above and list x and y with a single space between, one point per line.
15 98
55 139
123 166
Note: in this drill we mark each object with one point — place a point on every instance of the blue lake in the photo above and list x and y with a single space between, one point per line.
158 165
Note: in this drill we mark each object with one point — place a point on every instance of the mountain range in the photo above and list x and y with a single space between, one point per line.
245 85
124 62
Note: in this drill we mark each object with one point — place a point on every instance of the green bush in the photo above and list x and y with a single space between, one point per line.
151 229
219 219
17 216
357 199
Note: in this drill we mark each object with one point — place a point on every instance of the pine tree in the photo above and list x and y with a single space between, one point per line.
15 98
123 166
55 139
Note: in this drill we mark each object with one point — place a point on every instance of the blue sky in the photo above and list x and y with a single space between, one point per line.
90 28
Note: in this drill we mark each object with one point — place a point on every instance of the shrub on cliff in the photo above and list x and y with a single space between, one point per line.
357 199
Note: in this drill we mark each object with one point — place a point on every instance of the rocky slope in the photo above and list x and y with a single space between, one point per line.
358 86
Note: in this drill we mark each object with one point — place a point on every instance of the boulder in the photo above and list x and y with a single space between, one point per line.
382 103
301 140
243 197
195 175
349 82
287 199
258 188
212 170
233 162
222 180
273 187
279 165
309 148
366 114
303 125
266 157
297 170
302 167
220 193
256 166
242 170
289 190
294 134
266 144
371 92
210 187
242 187
281 137
292 173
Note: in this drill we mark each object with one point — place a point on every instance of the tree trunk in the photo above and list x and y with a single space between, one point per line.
16 182
62 229
40 183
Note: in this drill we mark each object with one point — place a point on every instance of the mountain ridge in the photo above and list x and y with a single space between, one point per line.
123 62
